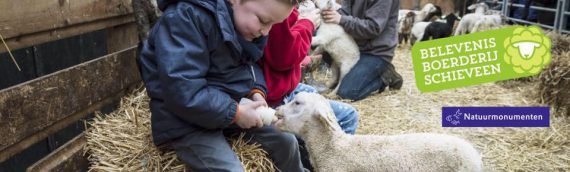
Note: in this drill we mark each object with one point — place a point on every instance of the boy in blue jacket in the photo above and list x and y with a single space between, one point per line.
197 62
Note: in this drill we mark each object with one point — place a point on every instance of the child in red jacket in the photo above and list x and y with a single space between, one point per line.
287 46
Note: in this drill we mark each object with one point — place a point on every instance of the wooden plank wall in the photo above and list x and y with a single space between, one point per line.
43 102
68 157
32 22
35 109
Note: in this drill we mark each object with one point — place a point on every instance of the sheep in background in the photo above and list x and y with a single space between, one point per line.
405 27
440 29
420 15
434 15
493 12
428 10
337 43
310 116
418 31
480 8
488 22
468 21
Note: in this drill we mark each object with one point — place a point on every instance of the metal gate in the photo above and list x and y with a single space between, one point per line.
561 14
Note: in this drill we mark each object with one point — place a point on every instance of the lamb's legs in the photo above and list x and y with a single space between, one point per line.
334 77
344 69
476 27
460 29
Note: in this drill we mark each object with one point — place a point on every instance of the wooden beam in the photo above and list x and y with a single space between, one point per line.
24 17
68 157
35 109
64 32
121 37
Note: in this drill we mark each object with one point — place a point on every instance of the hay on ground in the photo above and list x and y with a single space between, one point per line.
560 42
554 84
121 141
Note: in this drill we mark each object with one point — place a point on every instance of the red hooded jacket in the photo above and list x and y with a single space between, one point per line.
288 44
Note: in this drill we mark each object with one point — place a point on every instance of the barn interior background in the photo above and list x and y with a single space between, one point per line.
63 60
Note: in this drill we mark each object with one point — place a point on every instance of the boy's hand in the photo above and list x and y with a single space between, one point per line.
314 16
331 16
248 117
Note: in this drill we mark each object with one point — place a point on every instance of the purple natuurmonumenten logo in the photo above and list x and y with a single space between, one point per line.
495 116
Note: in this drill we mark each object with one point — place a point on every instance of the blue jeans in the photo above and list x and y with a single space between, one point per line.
346 115
208 150
364 78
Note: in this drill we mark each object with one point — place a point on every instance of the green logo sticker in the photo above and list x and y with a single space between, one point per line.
528 50
480 57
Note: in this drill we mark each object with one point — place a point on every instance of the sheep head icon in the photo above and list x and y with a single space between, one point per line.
528 50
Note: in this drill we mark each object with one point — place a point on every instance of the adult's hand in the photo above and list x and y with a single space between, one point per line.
331 16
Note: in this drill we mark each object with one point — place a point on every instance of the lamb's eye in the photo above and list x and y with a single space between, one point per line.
297 103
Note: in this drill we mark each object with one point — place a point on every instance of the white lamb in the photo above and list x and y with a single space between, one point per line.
468 21
493 12
405 27
488 22
331 150
418 31
405 16
420 15
336 42
306 6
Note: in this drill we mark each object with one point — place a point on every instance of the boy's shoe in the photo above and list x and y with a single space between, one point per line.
391 78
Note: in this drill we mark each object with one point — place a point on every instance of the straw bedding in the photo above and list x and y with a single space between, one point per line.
121 141
560 42
554 83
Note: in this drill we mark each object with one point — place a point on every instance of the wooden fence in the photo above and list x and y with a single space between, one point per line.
33 110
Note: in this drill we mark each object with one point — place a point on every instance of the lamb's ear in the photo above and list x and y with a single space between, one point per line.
327 118
472 7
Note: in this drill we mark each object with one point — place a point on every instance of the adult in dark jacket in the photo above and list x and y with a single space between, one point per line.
197 62
372 24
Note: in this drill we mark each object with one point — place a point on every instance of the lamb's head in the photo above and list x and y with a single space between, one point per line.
308 111
410 18
327 4
306 6
429 8
479 8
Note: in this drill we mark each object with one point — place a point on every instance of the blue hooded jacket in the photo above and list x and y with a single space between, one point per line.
196 67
